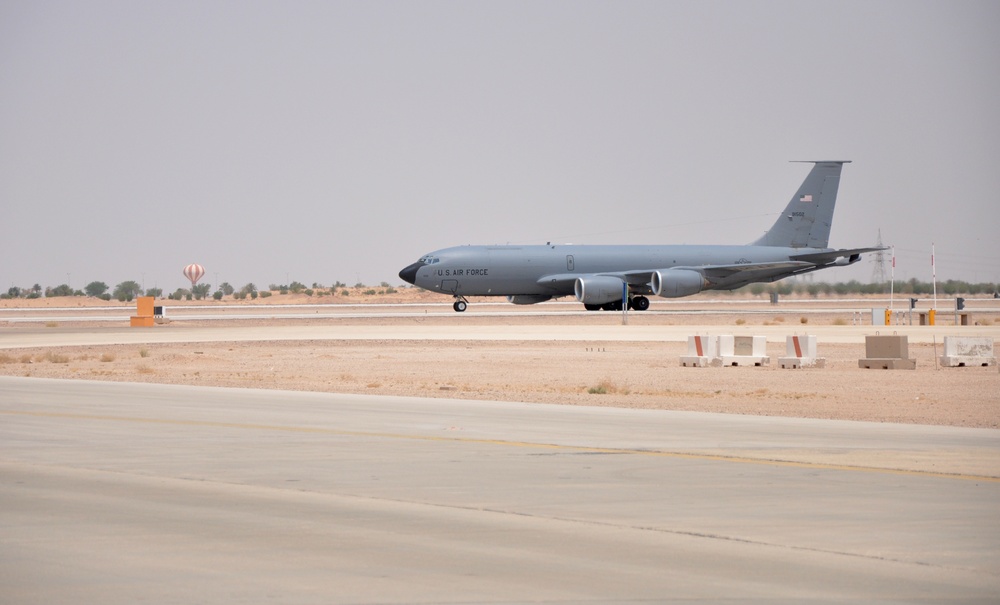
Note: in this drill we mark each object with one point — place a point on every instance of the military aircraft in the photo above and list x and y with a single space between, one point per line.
610 276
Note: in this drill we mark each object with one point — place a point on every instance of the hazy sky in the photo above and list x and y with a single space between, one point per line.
324 141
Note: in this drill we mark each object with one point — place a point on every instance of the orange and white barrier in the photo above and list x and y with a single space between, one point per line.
800 352
702 350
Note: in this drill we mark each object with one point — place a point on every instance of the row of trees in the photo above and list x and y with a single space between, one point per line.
129 290
950 287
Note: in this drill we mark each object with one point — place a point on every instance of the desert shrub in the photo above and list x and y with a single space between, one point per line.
56 357
606 386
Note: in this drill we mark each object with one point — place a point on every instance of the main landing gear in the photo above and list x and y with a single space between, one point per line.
460 304
637 303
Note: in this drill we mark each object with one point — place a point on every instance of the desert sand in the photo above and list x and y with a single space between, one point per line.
578 372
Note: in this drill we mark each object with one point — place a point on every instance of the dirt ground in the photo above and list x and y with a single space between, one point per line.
621 374
613 373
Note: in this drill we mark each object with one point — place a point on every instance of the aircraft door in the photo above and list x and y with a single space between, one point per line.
449 285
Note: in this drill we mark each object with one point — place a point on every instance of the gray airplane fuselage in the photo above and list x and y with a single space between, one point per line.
615 276
521 270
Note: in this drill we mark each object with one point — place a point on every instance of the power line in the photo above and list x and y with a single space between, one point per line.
878 257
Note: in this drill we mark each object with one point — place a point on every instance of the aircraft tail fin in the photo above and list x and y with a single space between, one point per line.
806 221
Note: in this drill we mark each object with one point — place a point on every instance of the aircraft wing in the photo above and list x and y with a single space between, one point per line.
730 277
721 276
724 277
831 256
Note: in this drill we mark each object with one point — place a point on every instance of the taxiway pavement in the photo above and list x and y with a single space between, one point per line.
120 493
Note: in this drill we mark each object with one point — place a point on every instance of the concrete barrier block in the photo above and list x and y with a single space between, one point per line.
701 351
800 352
874 363
887 353
742 350
961 351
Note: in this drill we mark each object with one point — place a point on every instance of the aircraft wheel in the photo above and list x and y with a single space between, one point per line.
592 307
640 303
460 306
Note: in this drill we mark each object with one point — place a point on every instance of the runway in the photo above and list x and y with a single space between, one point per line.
118 493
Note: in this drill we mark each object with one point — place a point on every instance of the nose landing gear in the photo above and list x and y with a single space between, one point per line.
460 304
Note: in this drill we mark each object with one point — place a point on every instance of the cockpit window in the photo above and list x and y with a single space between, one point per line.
429 260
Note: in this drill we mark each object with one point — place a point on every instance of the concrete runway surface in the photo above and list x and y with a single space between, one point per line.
125 493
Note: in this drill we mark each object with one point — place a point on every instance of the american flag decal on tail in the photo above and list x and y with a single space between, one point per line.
806 198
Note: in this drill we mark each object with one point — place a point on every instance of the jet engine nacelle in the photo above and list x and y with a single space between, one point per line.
598 289
843 261
675 283
527 299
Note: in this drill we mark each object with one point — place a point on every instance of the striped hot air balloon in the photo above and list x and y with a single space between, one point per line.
194 272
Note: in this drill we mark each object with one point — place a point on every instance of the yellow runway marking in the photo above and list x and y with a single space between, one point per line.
506 443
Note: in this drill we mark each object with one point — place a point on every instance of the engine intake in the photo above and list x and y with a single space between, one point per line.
598 289
675 283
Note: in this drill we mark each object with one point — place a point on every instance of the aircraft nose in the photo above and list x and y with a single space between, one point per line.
409 274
